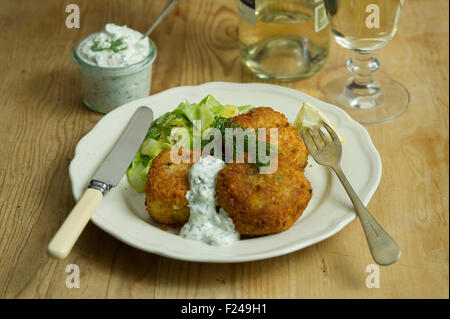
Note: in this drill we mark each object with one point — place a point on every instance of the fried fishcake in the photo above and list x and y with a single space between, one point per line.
165 194
290 142
262 204
261 117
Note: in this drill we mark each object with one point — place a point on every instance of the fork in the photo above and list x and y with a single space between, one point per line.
327 151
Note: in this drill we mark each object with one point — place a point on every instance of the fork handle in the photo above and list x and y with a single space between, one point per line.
383 248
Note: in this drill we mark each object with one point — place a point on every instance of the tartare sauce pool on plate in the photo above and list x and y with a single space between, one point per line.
115 67
205 223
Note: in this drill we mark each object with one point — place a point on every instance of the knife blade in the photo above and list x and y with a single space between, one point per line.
117 161
107 176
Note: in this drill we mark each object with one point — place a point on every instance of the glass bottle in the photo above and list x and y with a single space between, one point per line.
283 39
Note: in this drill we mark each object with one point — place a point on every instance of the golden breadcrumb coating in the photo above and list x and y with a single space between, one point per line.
290 142
262 204
165 194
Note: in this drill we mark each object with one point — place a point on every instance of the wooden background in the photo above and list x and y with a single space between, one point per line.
42 118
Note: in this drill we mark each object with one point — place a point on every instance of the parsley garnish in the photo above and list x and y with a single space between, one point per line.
115 46
222 123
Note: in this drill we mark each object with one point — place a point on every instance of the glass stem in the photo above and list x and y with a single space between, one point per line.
362 65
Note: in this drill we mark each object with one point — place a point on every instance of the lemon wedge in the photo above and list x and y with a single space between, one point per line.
310 116
230 111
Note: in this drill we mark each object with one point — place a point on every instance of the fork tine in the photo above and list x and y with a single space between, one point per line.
332 133
325 138
315 137
307 141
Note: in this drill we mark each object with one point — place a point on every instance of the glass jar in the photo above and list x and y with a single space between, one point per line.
105 88
283 39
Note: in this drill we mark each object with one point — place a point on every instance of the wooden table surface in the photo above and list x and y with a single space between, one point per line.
42 118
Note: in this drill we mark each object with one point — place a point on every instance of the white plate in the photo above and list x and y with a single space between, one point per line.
122 212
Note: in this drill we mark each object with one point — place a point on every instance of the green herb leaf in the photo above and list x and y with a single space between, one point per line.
115 46
222 123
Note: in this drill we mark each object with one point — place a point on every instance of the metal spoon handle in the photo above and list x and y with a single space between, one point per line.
162 15
383 248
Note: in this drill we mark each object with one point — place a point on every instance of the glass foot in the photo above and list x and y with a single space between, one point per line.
380 101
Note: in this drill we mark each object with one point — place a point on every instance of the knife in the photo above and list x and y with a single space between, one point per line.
107 176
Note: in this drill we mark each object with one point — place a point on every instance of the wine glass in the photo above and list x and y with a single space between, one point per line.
364 26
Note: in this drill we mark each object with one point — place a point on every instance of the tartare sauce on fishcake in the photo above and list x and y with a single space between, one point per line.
205 222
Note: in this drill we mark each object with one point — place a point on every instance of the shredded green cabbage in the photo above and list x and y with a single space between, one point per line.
174 129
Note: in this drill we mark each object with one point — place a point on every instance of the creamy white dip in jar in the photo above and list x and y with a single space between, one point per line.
115 67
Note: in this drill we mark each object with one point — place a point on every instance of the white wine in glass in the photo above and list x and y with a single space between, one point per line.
364 26
288 39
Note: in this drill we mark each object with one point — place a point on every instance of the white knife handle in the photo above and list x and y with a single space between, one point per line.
66 236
